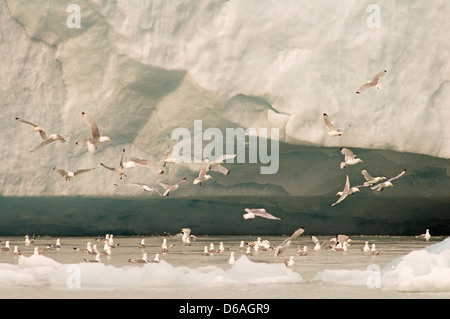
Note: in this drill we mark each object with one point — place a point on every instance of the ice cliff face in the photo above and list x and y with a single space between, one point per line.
144 68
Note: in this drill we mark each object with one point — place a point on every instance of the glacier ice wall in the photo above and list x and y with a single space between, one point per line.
144 68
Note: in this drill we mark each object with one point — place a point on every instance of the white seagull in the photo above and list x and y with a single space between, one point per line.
316 241
143 260
168 158
145 187
215 165
36 127
427 235
261 212
138 161
349 158
119 169
370 180
366 247
375 82
232 259
96 138
70 174
379 187
289 261
46 139
332 130
285 244
171 188
346 191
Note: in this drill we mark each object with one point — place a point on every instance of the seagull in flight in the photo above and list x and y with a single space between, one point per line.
346 191
96 138
145 187
70 174
285 244
138 161
261 212
349 158
375 82
379 187
215 165
171 188
332 130
46 139
370 180
119 169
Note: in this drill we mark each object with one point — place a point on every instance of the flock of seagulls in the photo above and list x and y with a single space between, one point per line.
351 159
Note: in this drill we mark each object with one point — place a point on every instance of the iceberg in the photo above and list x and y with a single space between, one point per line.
422 270
143 69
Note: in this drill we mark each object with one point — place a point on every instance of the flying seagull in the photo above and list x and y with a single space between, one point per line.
36 127
215 165
145 187
171 188
349 158
379 187
119 169
261 212
138 161
46 139
285 244
346 191
370 180
375 81
96 138
332 130
69 174
168 158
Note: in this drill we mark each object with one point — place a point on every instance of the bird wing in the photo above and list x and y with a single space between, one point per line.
328 122
81 171
398 176
94 128
219 168
107 167
146 163
364 87
121 158
348 155
377 76
366 175
262 213
60 171
204 168
41 131
315 239
45 142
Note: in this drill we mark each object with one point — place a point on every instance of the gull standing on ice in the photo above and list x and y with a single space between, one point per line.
171 188
316 241
261 212
375 82
332 130
366 247
285 244
346 191
349 158
373 251
289 261
381 186
145 187
70 174
143 260
427 235
232 259
119 169
96 260
370 180
96 138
